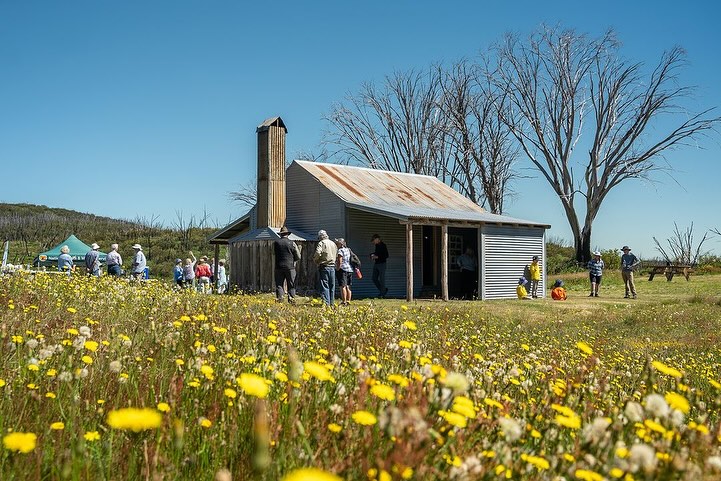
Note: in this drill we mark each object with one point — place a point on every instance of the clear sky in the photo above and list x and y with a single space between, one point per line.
139 108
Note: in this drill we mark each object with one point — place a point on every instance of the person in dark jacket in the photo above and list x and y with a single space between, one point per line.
286 255
380 256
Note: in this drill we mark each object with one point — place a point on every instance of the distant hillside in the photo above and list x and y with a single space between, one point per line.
32 229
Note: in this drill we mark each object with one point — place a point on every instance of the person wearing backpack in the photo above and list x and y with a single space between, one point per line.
344 271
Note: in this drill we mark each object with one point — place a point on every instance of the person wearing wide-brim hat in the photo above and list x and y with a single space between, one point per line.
137 270
92 260
629 262
286 255
595 272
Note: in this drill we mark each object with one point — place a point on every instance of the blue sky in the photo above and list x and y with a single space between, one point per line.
147 109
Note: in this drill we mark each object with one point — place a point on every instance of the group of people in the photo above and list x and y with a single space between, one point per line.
200 274
337 265
629 263
113 261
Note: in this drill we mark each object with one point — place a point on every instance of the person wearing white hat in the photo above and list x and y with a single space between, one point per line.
92 260
114 261
595 272
138 268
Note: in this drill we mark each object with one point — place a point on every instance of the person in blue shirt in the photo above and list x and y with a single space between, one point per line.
138 268
595 272
65 262
92 260
178 273
629 262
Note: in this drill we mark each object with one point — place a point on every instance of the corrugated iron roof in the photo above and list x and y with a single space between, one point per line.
402 196
271 233
277 121
222 235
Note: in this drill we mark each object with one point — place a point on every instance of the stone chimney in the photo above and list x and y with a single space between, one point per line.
270 204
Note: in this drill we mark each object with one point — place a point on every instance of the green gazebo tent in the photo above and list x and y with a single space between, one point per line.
78 249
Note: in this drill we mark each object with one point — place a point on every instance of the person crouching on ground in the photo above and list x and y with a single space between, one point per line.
558 293
521 291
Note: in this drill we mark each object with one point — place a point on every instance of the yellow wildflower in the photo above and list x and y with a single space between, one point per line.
91 436
20 442
310 474
383 391
668 370
134 419
316 370
57 426
364 418
253 385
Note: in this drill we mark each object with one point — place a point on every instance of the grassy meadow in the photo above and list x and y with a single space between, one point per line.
105 379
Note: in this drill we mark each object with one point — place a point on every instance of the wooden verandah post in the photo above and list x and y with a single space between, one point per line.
444 261
409 262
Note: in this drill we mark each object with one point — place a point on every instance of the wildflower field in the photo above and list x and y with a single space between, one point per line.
104 379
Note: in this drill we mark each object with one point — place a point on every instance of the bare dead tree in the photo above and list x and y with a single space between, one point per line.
184 227
246 194
557 80
482 149
394 127
681 247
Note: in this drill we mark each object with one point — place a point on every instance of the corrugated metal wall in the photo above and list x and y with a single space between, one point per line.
361 226
311 206
506 251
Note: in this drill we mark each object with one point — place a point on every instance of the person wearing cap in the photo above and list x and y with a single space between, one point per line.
137 269
325 256
178 273
521 291
92 260
287 254
114 262
344 271
629 262
380 256
595 272
558 293
534 271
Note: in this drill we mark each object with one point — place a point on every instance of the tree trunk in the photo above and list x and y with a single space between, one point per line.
582 244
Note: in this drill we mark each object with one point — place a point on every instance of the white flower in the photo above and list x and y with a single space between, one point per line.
657 406
634 412
32 343
457 382
84 331
595 431
642 456
115 366
511 429
714 463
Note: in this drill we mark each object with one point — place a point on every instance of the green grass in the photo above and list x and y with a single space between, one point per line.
511 361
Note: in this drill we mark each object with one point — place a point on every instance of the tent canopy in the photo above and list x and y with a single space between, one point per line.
78 249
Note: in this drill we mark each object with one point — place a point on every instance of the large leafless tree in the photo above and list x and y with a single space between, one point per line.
444 123
567 90
482 150
393 127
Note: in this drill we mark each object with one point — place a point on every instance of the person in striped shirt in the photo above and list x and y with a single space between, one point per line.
595 271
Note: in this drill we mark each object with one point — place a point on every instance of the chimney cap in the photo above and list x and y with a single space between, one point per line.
271 122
